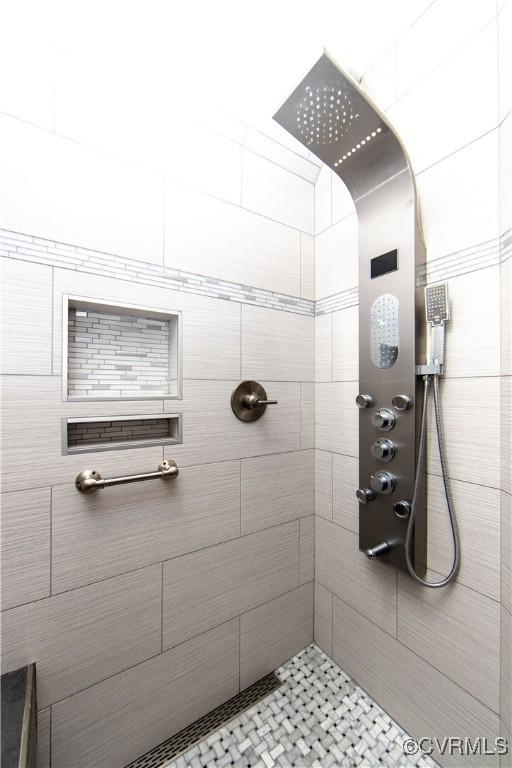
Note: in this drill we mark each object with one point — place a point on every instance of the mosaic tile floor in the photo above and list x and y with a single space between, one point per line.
318 718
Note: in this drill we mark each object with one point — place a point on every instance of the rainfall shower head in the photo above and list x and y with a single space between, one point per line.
333 118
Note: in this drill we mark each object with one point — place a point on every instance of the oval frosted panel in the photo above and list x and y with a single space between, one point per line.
384 331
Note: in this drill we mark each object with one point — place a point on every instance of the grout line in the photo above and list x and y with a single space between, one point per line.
51 540
52 320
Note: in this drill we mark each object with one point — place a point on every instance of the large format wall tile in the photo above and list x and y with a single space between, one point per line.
276 193
31 435
215 238
277 345
506 668
506 433
276 489
323 199
307 266
415 54
457 631
70 636
472 449
336 258
457 213
123 528
272 633
307 549
323 484
43 738
61 179
506 550
25 546
420 698
323 347
478 517
345 345
337 425
26 308
345 482
119 719
416 114
370 587
280 155
473 332
307 415
208 587
211 431
323 618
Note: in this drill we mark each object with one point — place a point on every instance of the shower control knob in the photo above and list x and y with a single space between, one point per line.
382 482
363 401
383 449
364 495
383 419
401 402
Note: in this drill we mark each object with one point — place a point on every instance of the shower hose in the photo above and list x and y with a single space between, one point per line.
417 486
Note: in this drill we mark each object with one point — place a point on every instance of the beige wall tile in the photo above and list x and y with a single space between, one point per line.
457 631
26 307
455 212
336 258
323 199
123 528
342 202
280 155
276 345
213 433
337 425
307 415
43 738
215 238
123 203
323 347
472 454
506 313
25 546
345 344
35 439
481 356
208 587
506 433
323 484
341 568
506 668
121 718
307 549
504 60
272 633
276 193
70 636
211 338
506 550
416 114
323 618
307 266
276 489
380 80
421 699
478 516
345 506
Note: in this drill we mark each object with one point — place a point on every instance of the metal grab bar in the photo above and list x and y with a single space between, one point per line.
90 479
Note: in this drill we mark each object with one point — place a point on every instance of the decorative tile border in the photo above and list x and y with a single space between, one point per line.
41 251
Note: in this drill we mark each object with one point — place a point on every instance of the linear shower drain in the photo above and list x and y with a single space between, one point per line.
207 724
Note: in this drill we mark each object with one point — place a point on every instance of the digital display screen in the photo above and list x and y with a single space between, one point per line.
387 262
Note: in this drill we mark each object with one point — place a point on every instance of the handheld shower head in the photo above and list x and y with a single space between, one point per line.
436 303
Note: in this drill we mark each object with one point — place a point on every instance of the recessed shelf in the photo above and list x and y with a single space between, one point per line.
115 351
109 433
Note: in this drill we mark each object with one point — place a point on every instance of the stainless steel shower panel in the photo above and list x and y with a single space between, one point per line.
331 116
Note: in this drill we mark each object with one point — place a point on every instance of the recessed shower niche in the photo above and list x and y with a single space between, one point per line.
113 351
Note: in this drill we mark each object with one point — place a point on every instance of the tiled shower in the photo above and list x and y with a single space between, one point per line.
148 268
